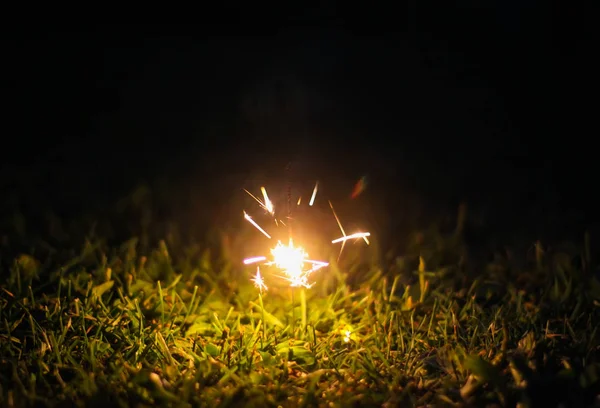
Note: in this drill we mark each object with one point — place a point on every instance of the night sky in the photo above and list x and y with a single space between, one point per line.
477 104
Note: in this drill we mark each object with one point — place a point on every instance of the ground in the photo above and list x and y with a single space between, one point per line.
163 319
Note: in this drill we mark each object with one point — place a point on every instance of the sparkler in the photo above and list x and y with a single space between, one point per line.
290 259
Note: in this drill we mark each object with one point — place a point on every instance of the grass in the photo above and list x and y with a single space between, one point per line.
180 325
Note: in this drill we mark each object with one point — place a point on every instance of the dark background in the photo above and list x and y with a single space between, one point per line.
487 105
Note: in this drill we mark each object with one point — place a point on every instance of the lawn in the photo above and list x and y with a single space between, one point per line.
174 322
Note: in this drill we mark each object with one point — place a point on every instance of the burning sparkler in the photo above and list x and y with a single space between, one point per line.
290 259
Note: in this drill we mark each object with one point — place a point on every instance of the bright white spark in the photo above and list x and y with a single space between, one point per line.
268 204
314 194
345 238
254 259
341 229
258 227
290 260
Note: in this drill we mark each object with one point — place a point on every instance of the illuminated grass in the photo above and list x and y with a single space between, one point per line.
115 327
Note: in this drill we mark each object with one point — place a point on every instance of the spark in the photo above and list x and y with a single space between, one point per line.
288 258
258 227
254 259
258 280
291 260
299 200
317 264
314 194
362 235
267 205
359 187
341 229
345 237
347 336
258 200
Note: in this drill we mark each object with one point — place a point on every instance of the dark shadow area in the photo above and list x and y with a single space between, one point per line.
479 108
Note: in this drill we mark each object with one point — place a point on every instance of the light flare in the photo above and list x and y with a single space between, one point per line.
291 261
345 237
